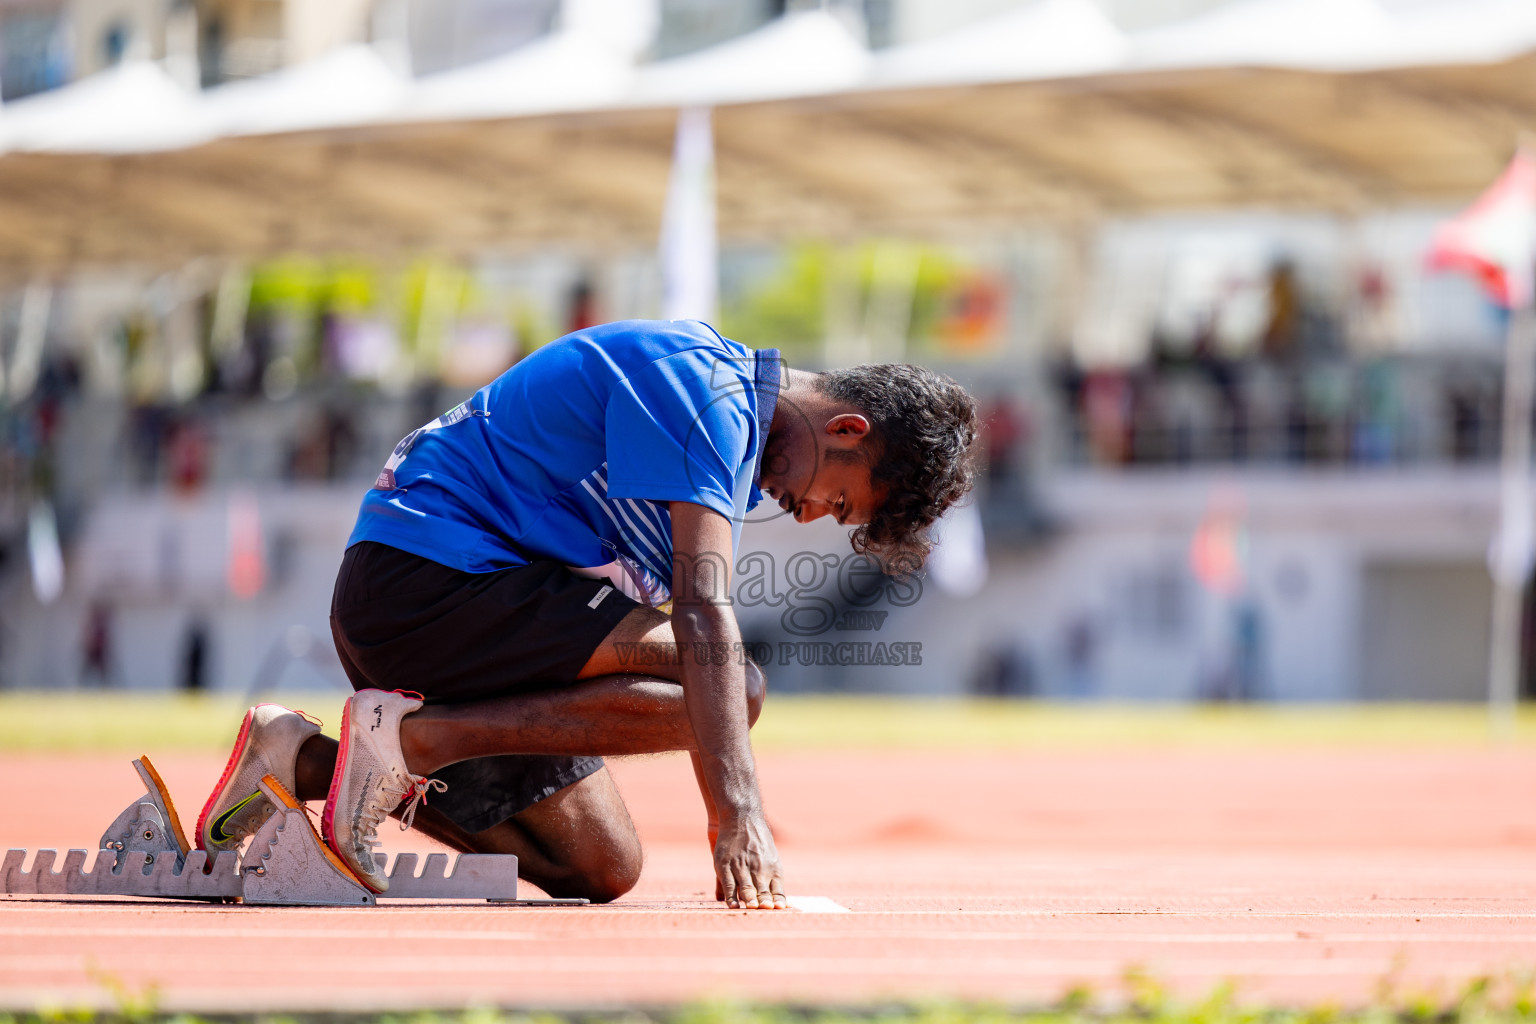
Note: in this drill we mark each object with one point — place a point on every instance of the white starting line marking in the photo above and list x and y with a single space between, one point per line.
817 905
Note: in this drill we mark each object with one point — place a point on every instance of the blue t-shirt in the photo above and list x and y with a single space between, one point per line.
573 453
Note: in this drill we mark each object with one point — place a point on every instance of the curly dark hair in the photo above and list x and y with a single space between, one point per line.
923 435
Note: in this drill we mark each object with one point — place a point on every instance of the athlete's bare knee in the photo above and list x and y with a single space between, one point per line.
603 879
757 692
619 875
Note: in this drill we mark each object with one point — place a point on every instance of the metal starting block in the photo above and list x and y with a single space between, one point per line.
144 852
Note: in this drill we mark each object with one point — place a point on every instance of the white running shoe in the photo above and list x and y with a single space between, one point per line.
371 780
268 744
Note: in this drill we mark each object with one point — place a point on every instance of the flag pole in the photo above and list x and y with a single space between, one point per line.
1496 239
1512 548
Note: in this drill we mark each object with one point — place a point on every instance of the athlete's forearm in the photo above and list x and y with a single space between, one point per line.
716 698
711 816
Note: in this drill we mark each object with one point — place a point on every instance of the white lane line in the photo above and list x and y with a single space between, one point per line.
817 905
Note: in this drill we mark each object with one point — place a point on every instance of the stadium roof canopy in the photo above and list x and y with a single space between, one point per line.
1046 113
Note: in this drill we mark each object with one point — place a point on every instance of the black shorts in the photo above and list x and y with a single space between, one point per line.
403 622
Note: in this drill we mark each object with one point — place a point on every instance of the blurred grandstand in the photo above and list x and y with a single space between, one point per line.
1241 444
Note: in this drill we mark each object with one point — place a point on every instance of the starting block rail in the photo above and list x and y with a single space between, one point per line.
144 852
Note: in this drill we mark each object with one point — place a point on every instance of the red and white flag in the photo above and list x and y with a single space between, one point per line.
1495 238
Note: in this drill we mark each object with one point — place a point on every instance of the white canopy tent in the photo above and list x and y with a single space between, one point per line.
569 70
1342 35
1042 39
587 63
565 142
804 53
135 107
348 86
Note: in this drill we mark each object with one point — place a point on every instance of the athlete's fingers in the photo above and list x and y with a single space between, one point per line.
758 883
776 890
748 888
763 885
741 882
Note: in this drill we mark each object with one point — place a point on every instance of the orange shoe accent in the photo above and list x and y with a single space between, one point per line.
165 798
280 791
288 800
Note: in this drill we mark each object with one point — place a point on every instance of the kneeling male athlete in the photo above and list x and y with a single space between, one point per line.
515 549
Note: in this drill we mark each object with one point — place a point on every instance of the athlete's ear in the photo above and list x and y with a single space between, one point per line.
848 424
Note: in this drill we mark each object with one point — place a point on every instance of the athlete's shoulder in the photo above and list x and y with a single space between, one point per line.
679 354
669 352
657 337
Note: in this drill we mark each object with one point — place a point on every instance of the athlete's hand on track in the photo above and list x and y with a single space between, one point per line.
747 864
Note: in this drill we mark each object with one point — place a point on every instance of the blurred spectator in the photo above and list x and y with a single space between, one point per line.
47 416
1010 509
194 659
1241 677
149 424
326 447
241 369
1375 416
1472 407
583 306
1004 430
1107 399
187 453
1281 333
1080 644
97 664
1005 670
1319 409
1374 326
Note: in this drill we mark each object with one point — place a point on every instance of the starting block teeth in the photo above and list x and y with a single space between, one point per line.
489 876
144 852
122 873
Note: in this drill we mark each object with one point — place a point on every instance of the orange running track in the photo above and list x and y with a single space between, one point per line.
1302 876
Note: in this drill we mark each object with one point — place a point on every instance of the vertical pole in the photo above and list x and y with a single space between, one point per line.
690 260
1513 544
